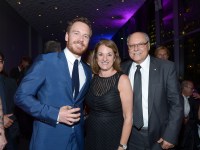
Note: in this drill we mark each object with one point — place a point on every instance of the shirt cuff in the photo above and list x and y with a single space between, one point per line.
57 120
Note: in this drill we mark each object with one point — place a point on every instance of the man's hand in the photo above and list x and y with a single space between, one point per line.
196 95
7 121
164 144
69 115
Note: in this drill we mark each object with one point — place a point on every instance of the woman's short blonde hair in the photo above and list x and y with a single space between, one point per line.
162 48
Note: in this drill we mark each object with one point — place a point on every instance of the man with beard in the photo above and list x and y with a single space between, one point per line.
158 105
46 92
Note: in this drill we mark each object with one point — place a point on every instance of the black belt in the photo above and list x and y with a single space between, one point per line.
142 129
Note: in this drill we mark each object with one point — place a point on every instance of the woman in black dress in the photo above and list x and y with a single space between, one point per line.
110 101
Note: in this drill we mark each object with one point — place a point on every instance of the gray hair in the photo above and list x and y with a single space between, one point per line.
145 35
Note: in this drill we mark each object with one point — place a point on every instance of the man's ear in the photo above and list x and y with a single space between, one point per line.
149 45
66 36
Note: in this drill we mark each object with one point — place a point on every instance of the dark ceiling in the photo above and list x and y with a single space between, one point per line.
50 17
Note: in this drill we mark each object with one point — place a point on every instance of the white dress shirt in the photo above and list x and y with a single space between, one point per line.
186 106
145 85
70 60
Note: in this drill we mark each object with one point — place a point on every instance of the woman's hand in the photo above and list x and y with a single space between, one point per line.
3 140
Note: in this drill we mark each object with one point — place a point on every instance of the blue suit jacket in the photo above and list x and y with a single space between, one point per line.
45 88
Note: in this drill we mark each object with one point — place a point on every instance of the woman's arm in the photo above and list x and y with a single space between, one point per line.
2 135
126 95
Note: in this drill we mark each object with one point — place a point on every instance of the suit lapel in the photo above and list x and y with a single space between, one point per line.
126 67
66 75
87 81
153 80
153 74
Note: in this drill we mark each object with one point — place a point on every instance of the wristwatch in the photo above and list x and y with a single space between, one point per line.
124 146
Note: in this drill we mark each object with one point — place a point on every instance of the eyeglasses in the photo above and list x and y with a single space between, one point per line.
139 45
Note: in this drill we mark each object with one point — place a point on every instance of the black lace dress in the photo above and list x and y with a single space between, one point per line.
105 120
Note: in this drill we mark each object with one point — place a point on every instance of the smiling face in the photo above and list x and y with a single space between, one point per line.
139 46
105 58
78 38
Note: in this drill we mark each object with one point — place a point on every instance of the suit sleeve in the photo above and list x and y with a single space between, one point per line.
26 94
175 106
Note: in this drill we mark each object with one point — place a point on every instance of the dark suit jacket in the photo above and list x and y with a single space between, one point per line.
165 104
15 73
189 138
45 88
194 107
8 88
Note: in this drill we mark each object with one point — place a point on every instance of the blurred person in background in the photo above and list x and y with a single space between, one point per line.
18 72
25 120
52 46
162 52
189 139
8 88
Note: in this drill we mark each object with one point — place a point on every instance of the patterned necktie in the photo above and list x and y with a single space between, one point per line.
75 79
137 111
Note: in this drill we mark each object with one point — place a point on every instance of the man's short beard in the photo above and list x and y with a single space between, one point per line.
79 53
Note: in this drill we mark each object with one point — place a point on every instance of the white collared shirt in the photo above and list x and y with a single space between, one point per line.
70 60
145 85
186 106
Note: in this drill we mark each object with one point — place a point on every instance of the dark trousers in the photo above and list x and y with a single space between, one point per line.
12 139
139 140
189 139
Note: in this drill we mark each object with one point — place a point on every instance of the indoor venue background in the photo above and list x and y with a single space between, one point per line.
173 23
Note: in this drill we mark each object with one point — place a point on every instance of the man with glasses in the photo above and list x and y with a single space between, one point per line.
158 105
189 139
